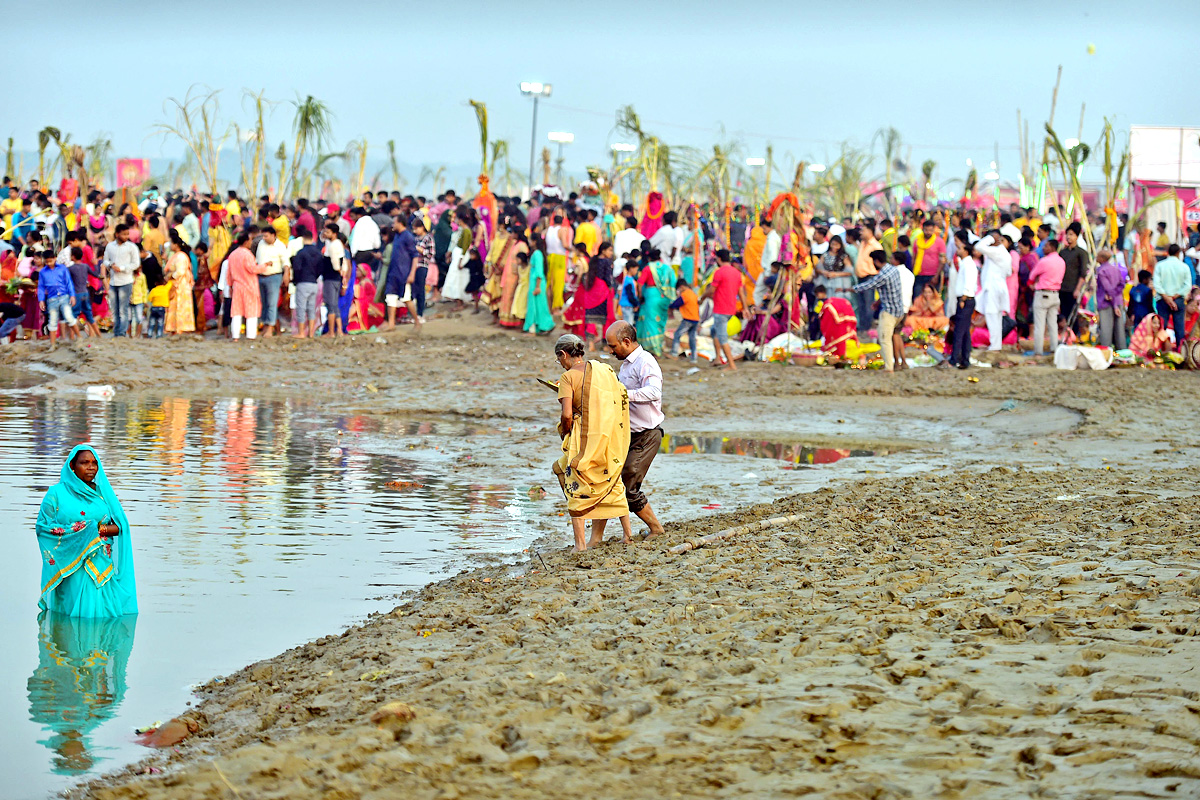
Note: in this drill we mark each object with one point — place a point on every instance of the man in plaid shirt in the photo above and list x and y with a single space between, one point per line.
891 302
421 264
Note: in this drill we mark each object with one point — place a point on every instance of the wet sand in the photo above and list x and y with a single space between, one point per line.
1008 608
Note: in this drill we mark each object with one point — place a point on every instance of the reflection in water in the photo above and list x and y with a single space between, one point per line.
758 448
78 684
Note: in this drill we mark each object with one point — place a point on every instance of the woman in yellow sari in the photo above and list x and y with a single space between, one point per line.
493 268
520 299
181 317
595 430
752 254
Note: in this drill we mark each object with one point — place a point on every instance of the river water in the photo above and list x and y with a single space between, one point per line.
259 525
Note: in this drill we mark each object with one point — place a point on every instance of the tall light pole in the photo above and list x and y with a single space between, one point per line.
536 91
560 138
756 161
623 147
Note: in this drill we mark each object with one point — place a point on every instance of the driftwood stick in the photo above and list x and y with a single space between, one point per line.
713 538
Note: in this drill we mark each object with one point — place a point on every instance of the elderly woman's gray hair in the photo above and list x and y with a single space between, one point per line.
570 344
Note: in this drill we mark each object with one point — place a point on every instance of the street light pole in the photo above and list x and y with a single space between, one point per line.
537 91
624 147
533 143
560 138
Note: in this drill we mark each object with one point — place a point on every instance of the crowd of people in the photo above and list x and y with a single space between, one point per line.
729 284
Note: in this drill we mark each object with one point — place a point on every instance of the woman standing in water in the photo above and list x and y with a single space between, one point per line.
83 533
595 430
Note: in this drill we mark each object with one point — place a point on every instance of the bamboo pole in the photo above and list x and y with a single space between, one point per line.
1046 145
1021 145
1050 122
713 538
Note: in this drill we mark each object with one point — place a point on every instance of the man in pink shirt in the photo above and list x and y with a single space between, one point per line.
929 254
727 287
1046 278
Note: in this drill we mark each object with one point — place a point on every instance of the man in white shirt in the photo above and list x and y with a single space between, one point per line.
365 241
836 230
964 294
559 238
819 245
122 258
772 246
1009 229
625 241
642 378
665 240
272 258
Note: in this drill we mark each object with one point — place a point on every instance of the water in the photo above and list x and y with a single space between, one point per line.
790 452
257 526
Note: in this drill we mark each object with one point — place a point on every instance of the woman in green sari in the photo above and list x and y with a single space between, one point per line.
537 311
83 533
657 287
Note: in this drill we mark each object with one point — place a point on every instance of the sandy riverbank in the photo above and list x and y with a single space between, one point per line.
1010 634
1009 612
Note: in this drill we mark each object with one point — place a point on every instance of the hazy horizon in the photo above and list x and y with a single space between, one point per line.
950 80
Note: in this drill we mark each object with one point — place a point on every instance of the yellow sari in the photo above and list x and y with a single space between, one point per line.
589 470
181 317
752 255
520 303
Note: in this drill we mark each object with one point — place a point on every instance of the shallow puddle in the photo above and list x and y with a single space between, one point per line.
790 452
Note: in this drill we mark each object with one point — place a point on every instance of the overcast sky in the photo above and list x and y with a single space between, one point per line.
949 76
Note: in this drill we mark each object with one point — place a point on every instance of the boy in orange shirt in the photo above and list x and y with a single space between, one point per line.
689 312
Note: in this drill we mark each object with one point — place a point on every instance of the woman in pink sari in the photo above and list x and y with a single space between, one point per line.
1149 339
365 314
509 280
246 302
592 304
1014 282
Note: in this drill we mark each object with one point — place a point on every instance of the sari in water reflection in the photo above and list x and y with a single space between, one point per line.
79 683
84 574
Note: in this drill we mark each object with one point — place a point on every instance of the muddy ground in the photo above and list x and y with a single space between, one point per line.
1007 608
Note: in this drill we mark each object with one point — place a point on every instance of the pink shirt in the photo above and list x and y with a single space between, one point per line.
931 258
1047 275
726 283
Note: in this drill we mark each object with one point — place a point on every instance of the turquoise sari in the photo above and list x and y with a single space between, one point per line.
537 312
79 683
656 304
84 574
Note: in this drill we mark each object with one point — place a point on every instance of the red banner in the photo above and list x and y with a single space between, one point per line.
132 171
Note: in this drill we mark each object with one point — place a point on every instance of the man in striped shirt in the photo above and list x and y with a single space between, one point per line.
891 302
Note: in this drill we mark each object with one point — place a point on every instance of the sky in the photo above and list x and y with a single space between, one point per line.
950 76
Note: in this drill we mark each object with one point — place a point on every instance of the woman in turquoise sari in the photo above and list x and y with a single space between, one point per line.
537 313
657 283
83 533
